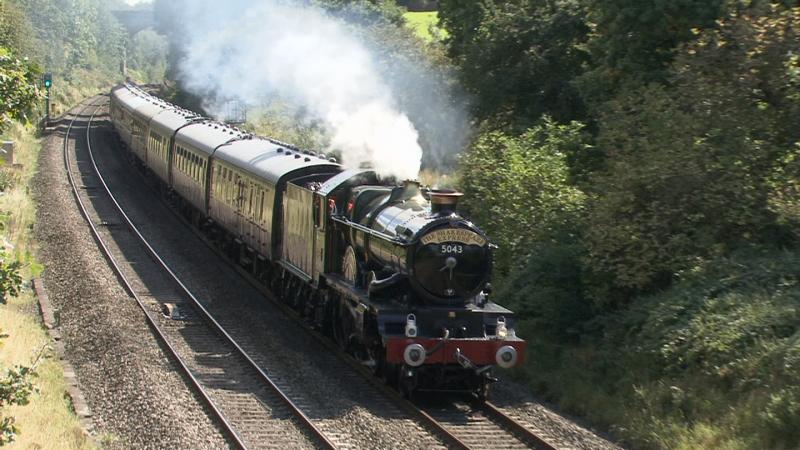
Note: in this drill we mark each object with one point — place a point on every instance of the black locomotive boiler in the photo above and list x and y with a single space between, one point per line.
389 270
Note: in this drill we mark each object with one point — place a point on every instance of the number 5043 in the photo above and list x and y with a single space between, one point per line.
452 248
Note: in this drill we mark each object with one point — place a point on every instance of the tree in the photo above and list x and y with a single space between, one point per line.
148 55
689 167
18 87
633 42
16 33
74 35
517 188
518 58
364 11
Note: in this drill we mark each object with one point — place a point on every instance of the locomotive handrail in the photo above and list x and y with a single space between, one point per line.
345 221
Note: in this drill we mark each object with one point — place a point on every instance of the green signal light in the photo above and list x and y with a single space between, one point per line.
47 77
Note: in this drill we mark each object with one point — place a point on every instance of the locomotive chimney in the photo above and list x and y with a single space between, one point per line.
444 201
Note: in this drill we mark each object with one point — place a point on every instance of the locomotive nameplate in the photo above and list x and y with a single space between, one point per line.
459 235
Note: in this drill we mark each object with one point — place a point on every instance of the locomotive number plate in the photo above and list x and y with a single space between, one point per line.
459 235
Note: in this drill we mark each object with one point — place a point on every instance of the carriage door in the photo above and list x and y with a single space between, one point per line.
250 208
241 203
320 216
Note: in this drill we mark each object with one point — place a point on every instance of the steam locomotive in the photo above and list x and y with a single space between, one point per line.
389 270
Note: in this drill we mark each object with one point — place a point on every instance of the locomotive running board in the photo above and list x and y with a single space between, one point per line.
339 284
296 271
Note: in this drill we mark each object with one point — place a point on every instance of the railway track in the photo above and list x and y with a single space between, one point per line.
459 425
251 409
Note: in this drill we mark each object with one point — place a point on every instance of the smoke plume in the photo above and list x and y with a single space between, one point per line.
247 50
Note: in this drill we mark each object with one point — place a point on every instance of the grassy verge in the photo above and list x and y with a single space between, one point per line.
47 422
425 24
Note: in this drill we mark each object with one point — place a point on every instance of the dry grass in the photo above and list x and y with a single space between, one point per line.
47 422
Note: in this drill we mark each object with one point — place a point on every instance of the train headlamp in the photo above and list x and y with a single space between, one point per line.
506 356
414 355
411 326
501 330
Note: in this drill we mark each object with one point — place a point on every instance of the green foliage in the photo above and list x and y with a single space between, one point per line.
364 12
689 168
517 58
10 279
784 199
733 327
18 88
16 32
425 25
517 190
710 362
16 387
280 121
634 41
545 291
73 39
73 35
148 56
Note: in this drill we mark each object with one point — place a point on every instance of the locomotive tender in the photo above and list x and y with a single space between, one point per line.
389 270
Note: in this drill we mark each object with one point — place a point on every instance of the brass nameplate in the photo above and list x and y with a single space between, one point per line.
459 235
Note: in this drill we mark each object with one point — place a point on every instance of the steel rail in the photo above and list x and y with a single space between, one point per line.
515 427
126 284
298 413
230 430
423 417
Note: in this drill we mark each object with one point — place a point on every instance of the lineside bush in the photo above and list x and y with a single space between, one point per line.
517 188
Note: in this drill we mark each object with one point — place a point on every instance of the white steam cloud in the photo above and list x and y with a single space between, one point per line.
245 50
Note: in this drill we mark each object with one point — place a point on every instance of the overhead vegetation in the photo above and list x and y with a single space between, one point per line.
18 88
518 58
